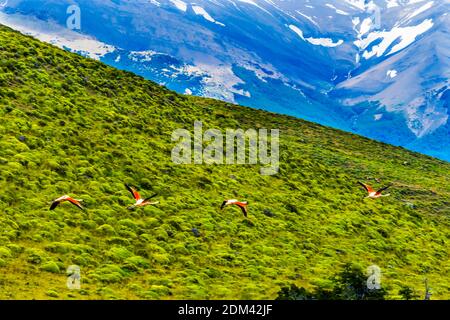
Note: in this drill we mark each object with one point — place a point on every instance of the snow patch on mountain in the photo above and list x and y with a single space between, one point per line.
407 35
378 116
360 4
156 3
253 3
58 36
420 10
325 42
365 27
297 30
202 12
308 18
180 5
141 56
338 11
425 117
391 4
391 73
221 82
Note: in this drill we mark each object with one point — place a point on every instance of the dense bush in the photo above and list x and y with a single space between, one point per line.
349 284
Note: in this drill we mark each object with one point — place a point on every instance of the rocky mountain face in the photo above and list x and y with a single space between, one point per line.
377 68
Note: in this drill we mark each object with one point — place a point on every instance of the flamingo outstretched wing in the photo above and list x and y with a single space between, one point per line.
149 198
133 192
76 203
244 209
223 205
368 188
383 189
54 205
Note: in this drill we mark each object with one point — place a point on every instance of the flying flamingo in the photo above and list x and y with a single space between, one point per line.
374 194
242 205
140 202
65 198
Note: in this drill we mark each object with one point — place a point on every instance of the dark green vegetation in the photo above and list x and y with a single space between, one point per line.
74 126
349 284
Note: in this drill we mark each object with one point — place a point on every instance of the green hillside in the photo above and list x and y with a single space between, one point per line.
71 125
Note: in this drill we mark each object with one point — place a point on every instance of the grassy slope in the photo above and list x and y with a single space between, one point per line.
88 128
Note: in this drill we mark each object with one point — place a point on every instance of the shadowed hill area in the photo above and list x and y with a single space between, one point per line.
71 125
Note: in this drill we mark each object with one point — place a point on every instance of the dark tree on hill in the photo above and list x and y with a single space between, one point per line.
349 284
294 293
407 293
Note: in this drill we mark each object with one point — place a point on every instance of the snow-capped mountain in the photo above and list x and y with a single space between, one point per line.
400 83
379 68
